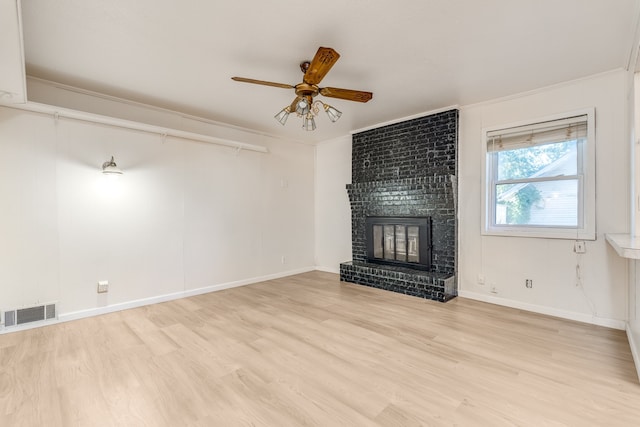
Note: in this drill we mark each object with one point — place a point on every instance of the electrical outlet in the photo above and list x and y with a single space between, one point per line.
579 247
528 283
493 288
481 279
103 286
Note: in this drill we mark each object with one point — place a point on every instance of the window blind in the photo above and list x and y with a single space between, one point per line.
551 132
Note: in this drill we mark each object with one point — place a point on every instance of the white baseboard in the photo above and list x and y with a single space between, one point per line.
634 349
570 315
65 317
328 269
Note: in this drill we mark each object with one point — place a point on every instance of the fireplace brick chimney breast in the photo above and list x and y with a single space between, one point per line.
407 169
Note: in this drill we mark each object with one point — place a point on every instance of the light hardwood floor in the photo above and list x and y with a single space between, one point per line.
310 351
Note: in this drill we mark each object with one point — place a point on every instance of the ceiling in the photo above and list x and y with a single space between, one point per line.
414 55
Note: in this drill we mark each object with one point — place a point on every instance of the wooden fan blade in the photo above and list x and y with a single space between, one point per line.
351 95
320 65
262 82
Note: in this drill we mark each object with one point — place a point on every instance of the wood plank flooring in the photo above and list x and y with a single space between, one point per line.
309 350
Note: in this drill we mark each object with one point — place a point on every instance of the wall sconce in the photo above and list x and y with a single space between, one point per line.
110 169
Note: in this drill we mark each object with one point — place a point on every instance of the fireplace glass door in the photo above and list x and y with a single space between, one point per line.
396 243
403 241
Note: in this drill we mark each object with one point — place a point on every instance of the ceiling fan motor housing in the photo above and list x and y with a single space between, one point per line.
306 90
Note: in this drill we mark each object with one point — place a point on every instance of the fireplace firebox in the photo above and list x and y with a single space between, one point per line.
399 241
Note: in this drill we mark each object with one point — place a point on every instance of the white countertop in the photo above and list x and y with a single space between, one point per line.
626 245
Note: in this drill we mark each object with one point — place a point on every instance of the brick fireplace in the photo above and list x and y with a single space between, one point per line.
406 171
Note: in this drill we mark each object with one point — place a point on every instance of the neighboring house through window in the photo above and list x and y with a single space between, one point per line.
540 178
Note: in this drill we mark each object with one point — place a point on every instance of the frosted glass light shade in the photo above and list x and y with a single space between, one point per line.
333 113
282 116
309 122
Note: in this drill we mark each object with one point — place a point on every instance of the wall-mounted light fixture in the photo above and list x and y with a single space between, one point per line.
110 169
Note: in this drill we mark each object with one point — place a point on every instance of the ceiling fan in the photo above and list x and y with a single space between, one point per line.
303 104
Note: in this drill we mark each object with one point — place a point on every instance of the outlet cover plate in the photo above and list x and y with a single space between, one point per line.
103 286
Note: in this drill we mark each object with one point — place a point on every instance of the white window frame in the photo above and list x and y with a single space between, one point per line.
586 229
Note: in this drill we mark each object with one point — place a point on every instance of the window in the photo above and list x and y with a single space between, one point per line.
540 178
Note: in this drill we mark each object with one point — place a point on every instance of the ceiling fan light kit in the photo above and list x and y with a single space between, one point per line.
308 113
303 105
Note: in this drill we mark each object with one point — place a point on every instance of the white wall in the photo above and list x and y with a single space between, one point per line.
29 264
184 215
633 318
333 212
550 263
